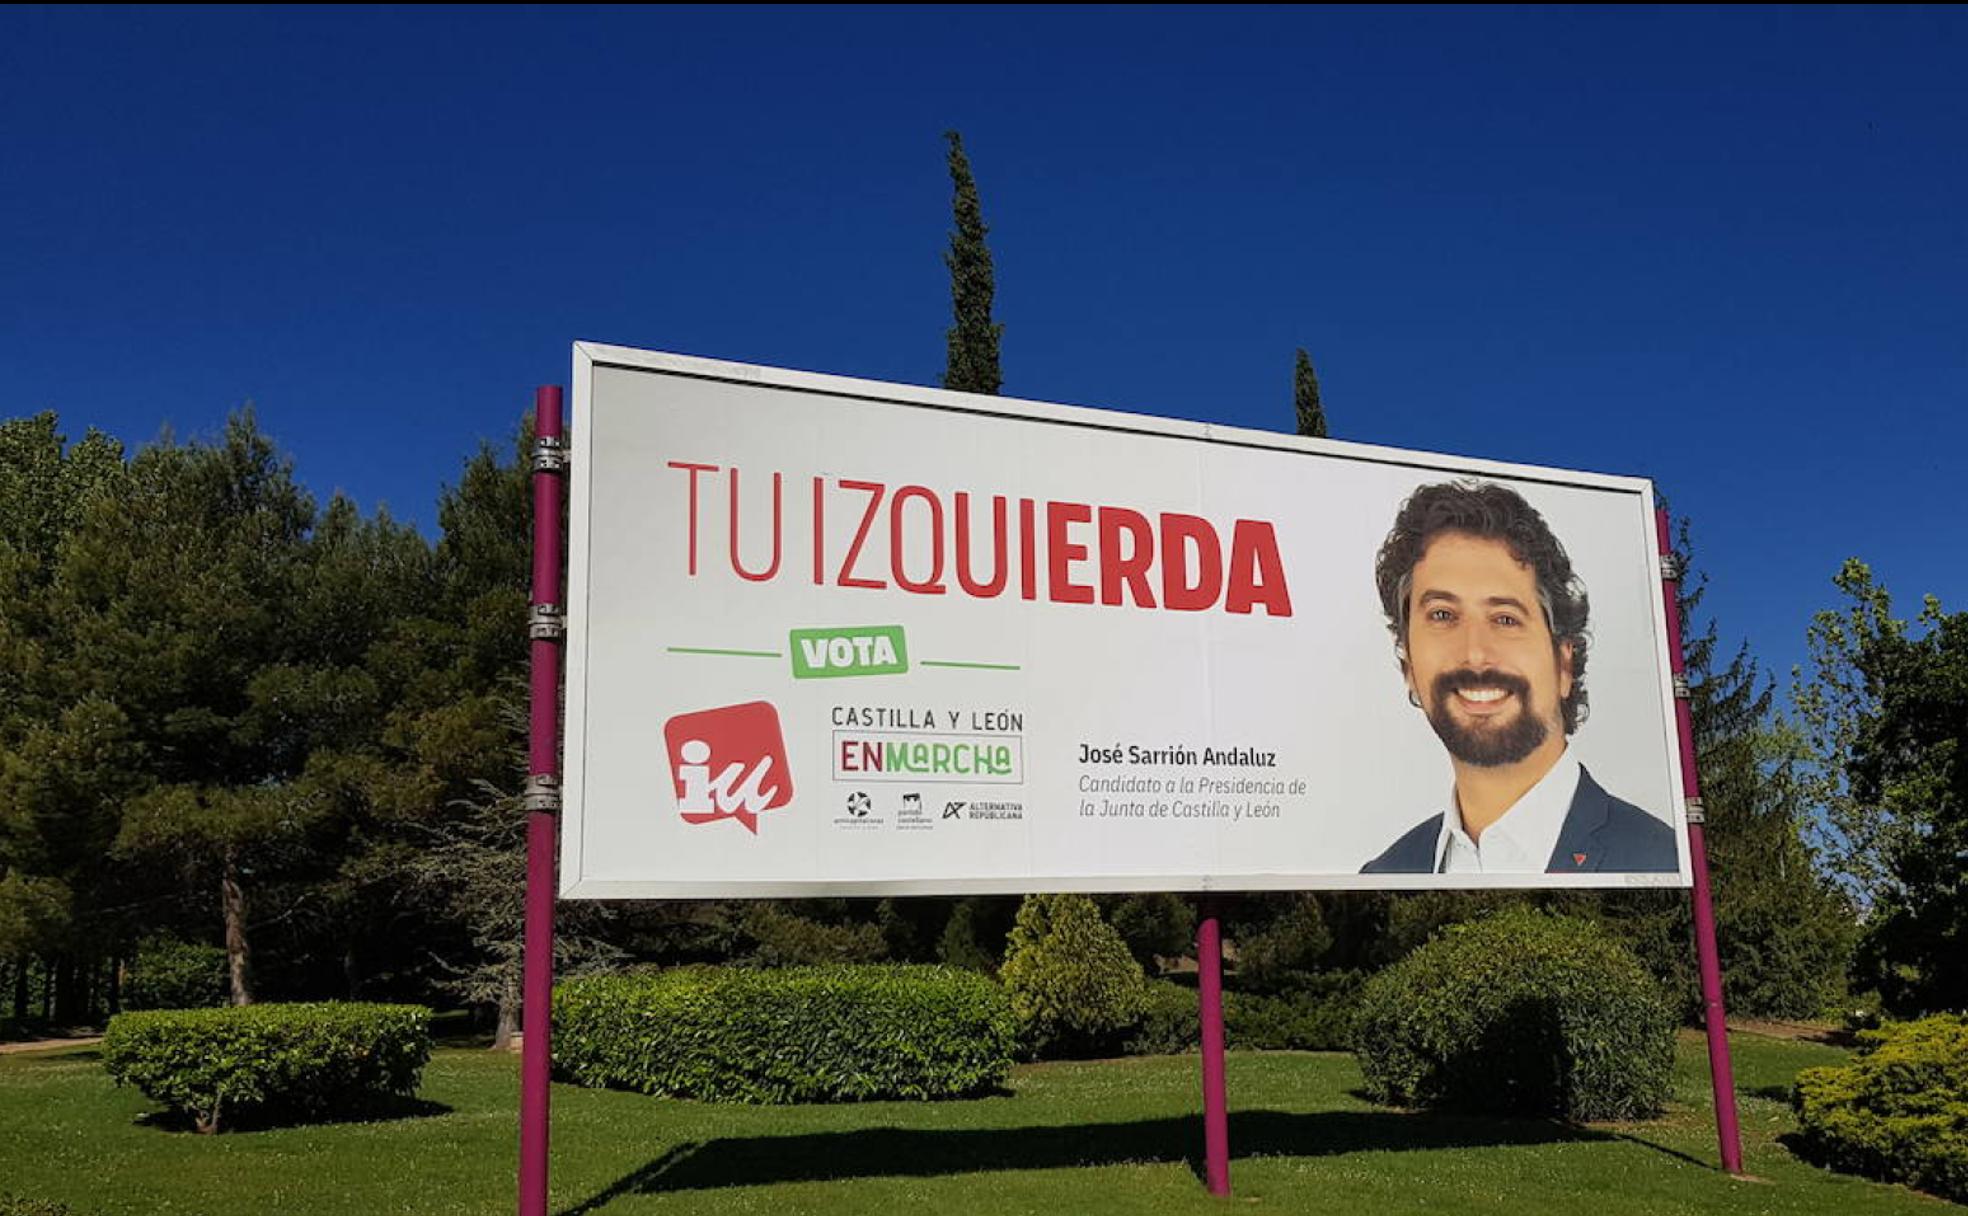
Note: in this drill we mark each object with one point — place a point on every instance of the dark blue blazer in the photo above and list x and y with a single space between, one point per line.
1600 833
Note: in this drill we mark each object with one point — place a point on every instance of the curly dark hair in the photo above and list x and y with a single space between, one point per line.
1493 512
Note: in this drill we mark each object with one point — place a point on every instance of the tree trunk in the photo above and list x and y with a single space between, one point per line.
69 1001
351 973
47 989
239 956
71 1004
20 987
502 1034
61 978
115 986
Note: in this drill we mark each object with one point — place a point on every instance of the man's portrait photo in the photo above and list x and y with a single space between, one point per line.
1490 629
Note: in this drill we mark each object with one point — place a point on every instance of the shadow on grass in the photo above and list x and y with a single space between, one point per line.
1800 1147
917 1153
990 1093
393 1111
1664 1150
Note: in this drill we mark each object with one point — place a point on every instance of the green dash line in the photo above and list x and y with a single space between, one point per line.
977 666
742 654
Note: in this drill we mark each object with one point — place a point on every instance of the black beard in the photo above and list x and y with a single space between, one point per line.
1510 743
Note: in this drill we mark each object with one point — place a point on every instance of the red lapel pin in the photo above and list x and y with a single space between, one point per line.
1578 859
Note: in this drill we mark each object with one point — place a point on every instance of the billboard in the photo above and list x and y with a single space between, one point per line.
839 637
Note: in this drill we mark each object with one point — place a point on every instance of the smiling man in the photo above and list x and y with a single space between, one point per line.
1489 625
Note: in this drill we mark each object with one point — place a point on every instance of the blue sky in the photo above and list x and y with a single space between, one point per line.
1723 248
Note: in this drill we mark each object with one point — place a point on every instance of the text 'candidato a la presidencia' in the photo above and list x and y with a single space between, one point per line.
1172 793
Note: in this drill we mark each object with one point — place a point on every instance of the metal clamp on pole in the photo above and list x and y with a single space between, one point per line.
542 793
1696 812
546 623
1681 691
1672 568
549 454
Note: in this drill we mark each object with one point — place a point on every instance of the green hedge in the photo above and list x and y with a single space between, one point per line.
1898 1111
282 1061
1523 1013
1170 1023
176 975
795 1034
1316 1018
1306 1020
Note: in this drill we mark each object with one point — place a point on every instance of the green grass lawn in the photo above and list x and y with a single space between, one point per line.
1112 1136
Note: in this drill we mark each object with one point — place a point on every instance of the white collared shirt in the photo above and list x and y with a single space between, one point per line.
1521 840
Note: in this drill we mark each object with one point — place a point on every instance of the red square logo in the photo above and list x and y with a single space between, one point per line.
729 763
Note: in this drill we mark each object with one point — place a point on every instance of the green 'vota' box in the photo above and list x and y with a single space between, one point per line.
858 650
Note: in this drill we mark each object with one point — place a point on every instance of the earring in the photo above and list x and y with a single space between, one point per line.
1414 700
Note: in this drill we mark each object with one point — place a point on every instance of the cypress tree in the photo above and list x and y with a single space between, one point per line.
1305 394
972 365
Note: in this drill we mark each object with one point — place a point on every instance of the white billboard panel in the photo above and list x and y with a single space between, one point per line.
831 636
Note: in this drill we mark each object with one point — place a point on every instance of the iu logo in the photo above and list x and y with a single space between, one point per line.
729 763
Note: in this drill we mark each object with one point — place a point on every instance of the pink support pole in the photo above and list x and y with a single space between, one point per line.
1216 1106
542 802
1727 1130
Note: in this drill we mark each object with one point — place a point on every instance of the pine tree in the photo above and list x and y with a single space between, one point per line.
63 757
1072 983
972 364
1305 395
177 595
1784 932
468 729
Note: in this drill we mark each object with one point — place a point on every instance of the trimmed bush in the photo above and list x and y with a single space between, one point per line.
1074 988
1315 1018
171 974
797 1034
301 1061
1898 1112
1519 1013
785 939
1170 1024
